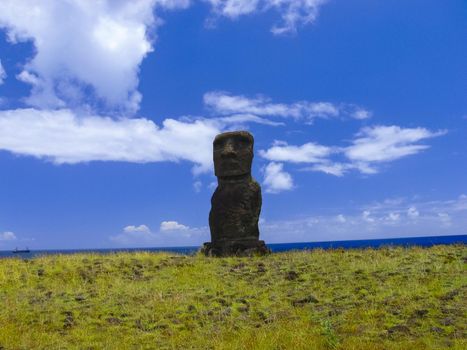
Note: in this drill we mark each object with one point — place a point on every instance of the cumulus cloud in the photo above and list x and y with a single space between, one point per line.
100 45
63 137
294 13
170 234
2 73
276 179
83 46
7 236
172 226
141 228
134 235
79 44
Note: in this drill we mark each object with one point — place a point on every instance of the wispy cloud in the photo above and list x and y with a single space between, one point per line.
293 13
241 119
387 143
7 236
2 73
224 103
361 113
387 219
336 169
371 147
197 186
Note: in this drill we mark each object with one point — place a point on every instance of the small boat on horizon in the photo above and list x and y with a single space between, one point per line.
21 250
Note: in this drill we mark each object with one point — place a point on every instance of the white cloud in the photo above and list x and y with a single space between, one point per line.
461 203
234 8
227 104
134 235
413 213
387 143
99 44
7 236
172 4
445 218
376 220
341 218
2 73
63 137
197 186
294 13
29 78
141 228
336 169
256 108
366 216
307 153
361 113
275 179
172 226
372 146
171 234
394 216
239 119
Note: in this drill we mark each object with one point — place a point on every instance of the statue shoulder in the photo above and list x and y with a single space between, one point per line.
254 185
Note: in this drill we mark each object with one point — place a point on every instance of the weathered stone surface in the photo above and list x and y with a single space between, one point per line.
236 203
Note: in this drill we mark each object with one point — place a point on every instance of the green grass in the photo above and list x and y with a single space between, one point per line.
389 298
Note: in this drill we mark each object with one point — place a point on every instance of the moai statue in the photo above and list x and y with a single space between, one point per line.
236 203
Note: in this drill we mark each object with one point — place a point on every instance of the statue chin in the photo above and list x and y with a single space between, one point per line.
234 174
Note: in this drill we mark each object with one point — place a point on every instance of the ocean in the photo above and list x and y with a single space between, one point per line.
275 247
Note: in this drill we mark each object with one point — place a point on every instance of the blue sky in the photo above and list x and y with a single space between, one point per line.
108 111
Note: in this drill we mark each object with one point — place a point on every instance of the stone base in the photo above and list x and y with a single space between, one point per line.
235 248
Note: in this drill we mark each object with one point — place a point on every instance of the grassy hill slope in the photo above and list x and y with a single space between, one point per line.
389 298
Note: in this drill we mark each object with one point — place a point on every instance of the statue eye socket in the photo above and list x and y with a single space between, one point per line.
243 142
218 145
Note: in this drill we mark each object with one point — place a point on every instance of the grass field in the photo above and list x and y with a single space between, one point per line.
389 298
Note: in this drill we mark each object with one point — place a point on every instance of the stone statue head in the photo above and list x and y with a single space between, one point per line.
233 153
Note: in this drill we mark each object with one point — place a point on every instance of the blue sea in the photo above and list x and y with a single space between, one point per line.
275 247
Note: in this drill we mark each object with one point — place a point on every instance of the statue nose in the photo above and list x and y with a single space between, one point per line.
228 150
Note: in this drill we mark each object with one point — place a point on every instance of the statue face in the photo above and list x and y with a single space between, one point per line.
233 153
